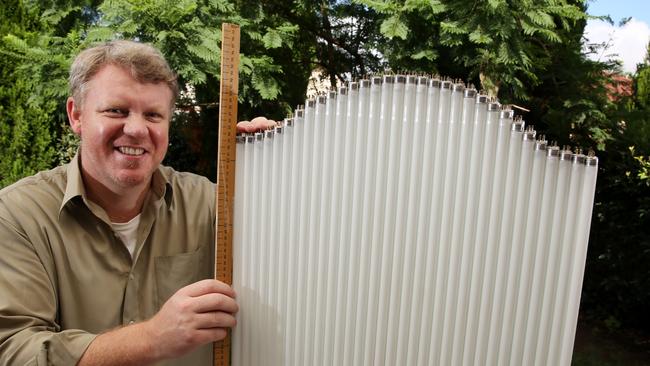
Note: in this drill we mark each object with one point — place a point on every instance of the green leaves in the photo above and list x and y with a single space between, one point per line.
394 27
425 54
495 38
540 18
208 47
496 4
17 45
452 27
54 16
437 6
480 37
275 37
272 39
266 86
98 34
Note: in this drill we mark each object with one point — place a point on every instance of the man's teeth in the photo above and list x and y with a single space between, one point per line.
131 150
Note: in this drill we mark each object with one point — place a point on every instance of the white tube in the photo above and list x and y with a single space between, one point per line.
554 258
253 297
440 154
406 231
297 140
541 240
347 273
457 224
320 210
395 239
270 313
422 245
567 245
475 148
284 234
387 218
492 237
331 206
361 232
307 290
515 248
530 252
445 225
504 243
489 151
374 231
585 206
300 253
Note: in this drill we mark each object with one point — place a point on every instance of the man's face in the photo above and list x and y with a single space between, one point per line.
124 128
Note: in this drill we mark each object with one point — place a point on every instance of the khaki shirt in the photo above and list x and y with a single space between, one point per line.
65 276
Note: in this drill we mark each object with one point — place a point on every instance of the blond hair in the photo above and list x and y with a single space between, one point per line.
145 63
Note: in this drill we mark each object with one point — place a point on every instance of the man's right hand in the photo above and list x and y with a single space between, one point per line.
195 315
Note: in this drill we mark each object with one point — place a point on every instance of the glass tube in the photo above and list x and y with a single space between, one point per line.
407 232
492 236
585 207
375 230
474 182
362 232
394 237
489 152
441 129
554 257
514 245
458 214
424 205
347 272
531 251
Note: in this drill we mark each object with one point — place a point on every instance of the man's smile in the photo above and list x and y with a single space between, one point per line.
134 151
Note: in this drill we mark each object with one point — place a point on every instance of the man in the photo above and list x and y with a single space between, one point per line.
107 260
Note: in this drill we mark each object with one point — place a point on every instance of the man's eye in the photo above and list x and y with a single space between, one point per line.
116 112
153 116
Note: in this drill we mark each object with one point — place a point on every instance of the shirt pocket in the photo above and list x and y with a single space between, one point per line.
177 271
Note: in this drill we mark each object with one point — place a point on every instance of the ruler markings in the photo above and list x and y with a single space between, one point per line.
226 168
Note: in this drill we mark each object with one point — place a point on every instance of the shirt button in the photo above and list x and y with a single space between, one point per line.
131 322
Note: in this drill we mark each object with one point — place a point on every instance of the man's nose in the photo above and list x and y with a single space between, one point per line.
135 125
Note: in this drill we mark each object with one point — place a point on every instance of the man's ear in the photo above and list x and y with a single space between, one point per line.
74 115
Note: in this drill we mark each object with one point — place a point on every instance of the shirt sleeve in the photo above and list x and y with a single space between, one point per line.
29 332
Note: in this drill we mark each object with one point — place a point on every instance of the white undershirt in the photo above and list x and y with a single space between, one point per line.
127 232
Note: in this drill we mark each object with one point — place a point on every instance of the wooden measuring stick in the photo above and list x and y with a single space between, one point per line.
226 168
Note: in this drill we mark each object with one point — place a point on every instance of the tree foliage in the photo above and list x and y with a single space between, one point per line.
642 82
501 43
616 289
35 54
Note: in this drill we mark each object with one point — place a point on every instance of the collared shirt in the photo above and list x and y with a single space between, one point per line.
65 276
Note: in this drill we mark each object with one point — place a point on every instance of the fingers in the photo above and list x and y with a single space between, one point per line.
263 122
205 287
215 319
211 335
215 302
196 314
255 125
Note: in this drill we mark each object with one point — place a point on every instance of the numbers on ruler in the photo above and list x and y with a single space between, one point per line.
225 168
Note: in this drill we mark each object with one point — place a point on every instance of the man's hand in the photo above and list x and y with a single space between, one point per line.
196 314
255 125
